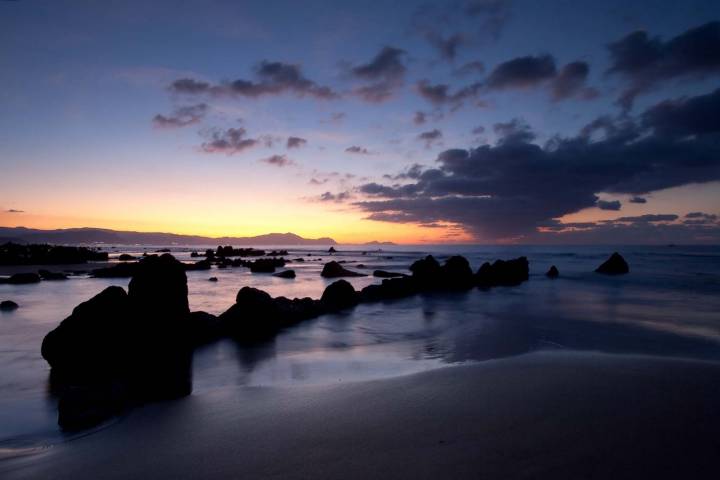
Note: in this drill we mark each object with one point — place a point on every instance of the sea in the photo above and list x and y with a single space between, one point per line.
668 305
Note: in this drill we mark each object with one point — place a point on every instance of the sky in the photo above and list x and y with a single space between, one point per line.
468 121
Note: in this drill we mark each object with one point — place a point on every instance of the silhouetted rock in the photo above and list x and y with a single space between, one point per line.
456 274
300 259
199 265
266 265
212 279
121 270
163 250
426 272
386 274
503 273
285 274
553 272
334 270
8 305
21 278
389 289
229 251
48 275
331 250
277 253
205 327
125 257
339 295
34 254
615 265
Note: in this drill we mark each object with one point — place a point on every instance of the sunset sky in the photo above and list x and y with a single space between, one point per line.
458 121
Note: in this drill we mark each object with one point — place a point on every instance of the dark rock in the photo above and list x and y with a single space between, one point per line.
229 251
360 265
199 265
456 274
7 305
163 250
331 250
82 407
502 273
335 270
212 279
266 265
385 274
194 254
121 270
553 272
300 259
277 253
285 274
22 278
34 254
205 327
615 265
126 257
339 295
389 289
426 272
48 275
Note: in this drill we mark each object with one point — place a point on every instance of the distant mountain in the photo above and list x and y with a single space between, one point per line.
106 236
376 243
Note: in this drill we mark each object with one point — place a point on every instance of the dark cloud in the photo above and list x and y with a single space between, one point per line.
651 218
272 78
571 82
646 62
470 68
181 117
318 181
295 142
511 189
335 197
447 47
685 116
440 94
522 72
702 215
278 161
514 131
479 130
608 205
430 137
13 210
385 72
420 118
637 199
230 141
358 150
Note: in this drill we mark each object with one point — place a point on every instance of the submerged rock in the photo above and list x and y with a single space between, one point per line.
125 257
7 305
212 279
22 278
48 275
331 250
386 274
339 295
553 272
615 265
503 273
334 270
285 274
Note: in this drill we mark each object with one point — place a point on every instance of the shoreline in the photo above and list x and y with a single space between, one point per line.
559 414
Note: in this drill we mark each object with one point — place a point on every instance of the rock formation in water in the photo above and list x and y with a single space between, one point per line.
615 265
21 278
335 270
553 272
8 305
502 273
285 274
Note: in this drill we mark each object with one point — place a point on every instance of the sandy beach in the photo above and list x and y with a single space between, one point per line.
541 415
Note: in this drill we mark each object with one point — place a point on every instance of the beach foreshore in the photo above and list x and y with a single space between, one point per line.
540 415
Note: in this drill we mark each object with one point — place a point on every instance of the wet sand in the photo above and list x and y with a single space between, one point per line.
541 415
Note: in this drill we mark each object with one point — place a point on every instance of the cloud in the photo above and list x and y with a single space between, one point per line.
514 131
385 71
335 197
470 68
522 72
637 199
420 118
479 130
295 142
13 210
447 46
440 94
272 78
358 150
230 141
430 137
651 218
702 216
182 116
646 62
278 161
608 205
570 82
512 188
685 116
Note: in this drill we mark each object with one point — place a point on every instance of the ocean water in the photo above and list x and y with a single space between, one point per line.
668 305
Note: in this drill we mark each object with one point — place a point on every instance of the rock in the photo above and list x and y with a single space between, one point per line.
81 407
615 265
502 273
389 289
426 272
285 274
205 327
121 270
339 295
126 257
212 279
265 265
299 259
48 275
34 254
331 250
553 272
456 274
7 305
334 270
360 265
385 274
22 278
199 265
163 250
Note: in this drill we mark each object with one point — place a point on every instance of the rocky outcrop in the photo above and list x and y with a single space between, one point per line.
552 272
285 274
35 254
339 295
7 305
48 275
615 265
21 278
386 274
125 257
502 273
335 270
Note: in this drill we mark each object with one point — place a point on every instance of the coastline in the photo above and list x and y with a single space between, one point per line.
559 414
